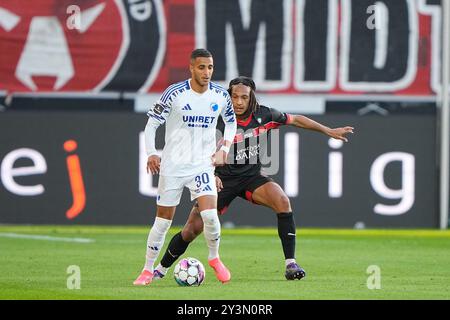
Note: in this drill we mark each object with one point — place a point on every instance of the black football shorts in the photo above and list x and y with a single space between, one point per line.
238 187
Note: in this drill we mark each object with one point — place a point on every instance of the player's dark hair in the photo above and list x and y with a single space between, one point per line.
200 53
253 104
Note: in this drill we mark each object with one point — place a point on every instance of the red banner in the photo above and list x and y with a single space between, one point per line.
289 46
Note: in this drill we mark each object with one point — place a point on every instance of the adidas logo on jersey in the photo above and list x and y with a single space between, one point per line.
207 188
186 107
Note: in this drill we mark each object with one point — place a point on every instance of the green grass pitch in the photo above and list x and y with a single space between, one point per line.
413 264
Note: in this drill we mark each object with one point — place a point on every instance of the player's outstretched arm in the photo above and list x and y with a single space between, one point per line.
307 123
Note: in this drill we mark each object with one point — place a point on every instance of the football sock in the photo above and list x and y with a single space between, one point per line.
155 241
212 231
289 261
177 246
286 232
161 269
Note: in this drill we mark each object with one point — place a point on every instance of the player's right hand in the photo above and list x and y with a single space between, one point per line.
153 164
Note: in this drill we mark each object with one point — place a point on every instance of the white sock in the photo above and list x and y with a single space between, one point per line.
155 241
288 261
161 269
212 231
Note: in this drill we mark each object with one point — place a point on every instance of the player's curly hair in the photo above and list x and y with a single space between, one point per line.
253 104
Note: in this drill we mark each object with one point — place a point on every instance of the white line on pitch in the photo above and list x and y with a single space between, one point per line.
47 238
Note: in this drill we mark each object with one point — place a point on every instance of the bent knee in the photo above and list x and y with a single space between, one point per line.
283 204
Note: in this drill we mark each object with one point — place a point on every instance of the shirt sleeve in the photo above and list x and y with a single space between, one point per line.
157 115
229 119
160 110
280 117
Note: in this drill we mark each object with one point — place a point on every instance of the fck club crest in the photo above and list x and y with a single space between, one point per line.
80 45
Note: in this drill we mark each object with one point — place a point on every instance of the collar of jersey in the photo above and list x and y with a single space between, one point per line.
198 93
245 122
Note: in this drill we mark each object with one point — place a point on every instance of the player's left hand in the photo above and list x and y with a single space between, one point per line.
339 133
219 159
219 184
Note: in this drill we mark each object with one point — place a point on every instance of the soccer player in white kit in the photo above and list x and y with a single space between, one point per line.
190 110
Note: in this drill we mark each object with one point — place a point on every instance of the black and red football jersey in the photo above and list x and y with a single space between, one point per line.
250 141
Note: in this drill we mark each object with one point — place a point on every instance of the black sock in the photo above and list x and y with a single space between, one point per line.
177 246
286 232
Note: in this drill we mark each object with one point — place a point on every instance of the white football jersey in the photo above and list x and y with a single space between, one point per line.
191 120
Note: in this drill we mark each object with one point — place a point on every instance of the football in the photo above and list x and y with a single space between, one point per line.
189 272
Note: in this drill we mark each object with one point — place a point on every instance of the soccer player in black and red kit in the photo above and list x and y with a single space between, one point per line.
242 176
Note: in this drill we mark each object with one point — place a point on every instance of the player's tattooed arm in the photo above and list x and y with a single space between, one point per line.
303 122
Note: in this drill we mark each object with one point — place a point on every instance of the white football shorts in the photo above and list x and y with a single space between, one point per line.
170 189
